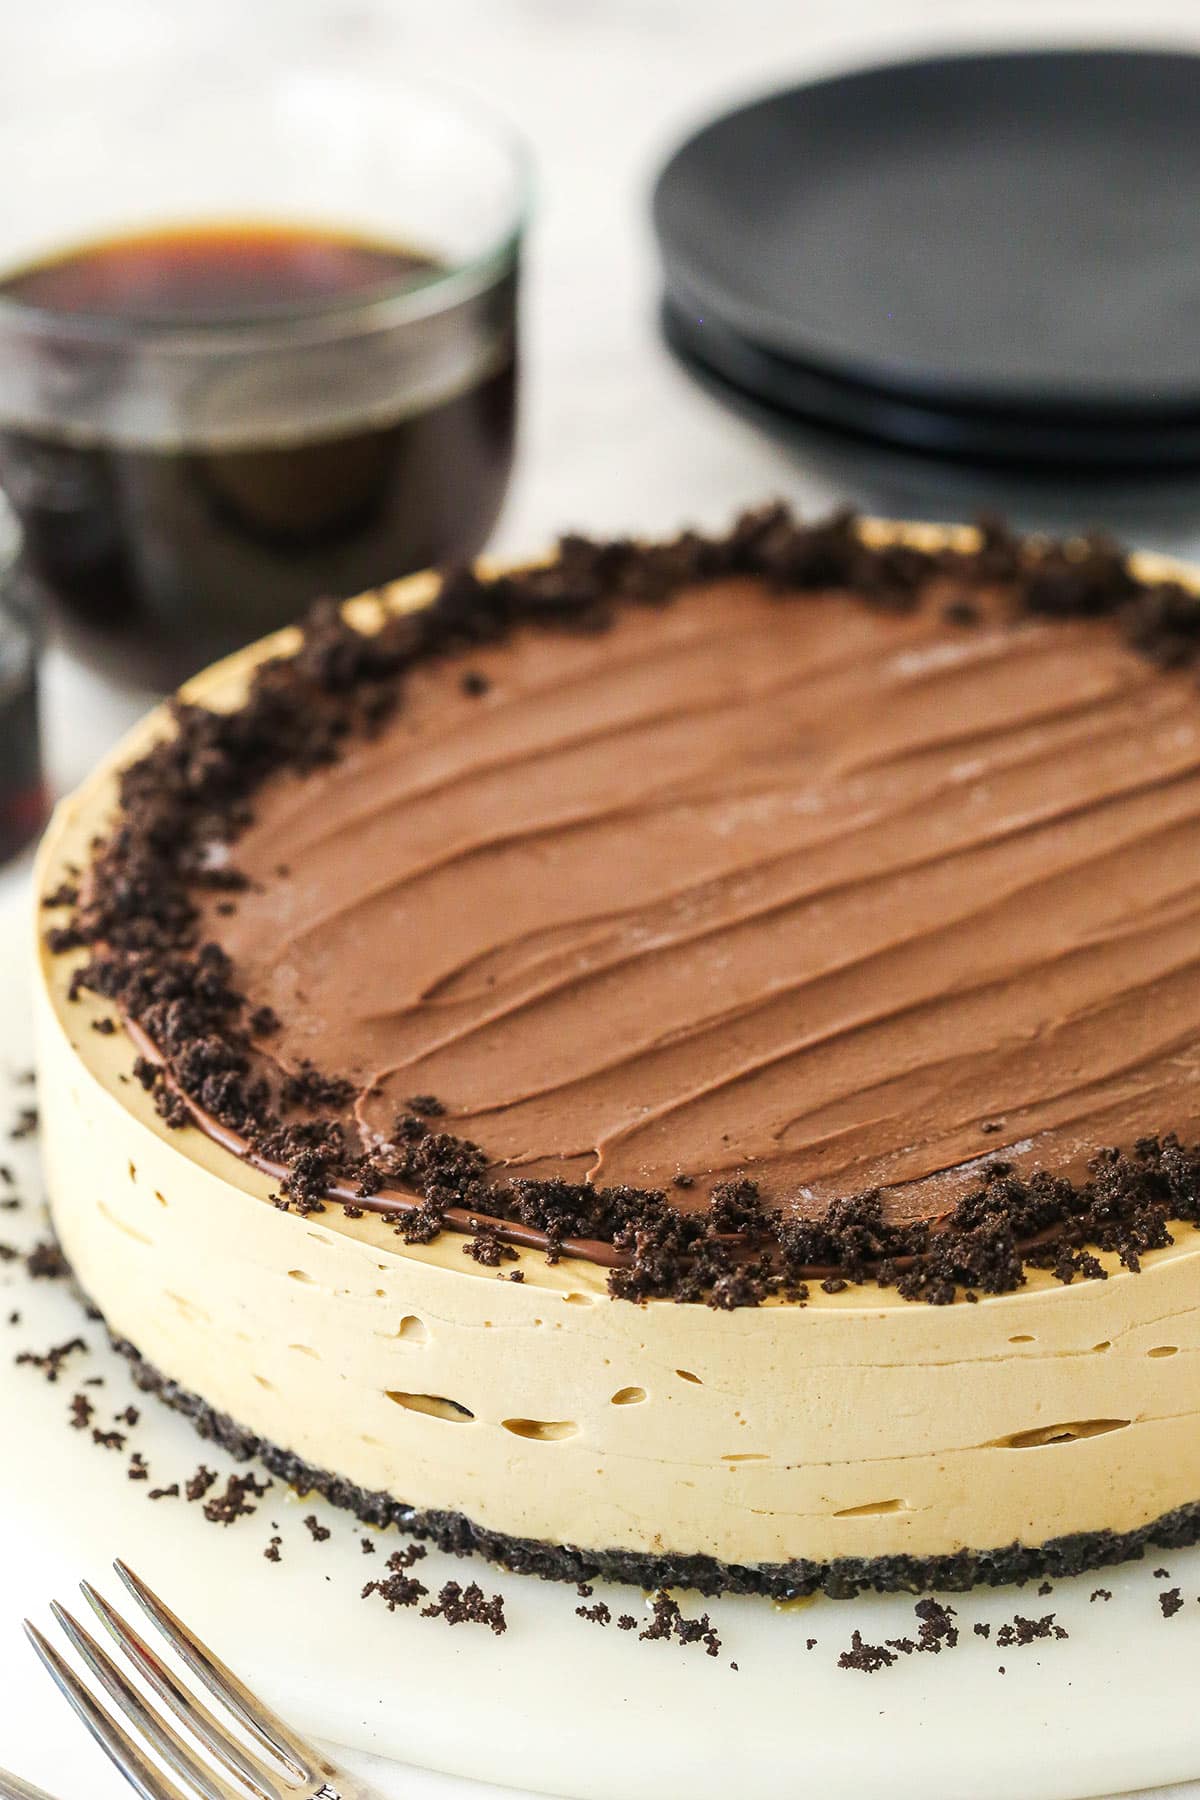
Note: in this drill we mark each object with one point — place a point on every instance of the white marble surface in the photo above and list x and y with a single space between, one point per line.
615 437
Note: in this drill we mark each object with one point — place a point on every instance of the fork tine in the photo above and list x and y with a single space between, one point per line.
115 1743
153 1731
233 1758
270 1731
13 1788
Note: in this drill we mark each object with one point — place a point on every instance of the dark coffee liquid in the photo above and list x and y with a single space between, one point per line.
22 793
160 556
213 272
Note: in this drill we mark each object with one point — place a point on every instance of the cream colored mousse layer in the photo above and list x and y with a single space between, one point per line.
860 1425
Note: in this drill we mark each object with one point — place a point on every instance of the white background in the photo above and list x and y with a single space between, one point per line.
614 436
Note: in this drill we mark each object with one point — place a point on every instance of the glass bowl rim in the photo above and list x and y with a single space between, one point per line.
385 306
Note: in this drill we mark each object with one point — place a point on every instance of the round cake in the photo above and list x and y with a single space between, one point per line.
677 1063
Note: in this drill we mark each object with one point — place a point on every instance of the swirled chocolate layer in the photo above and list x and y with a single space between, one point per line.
831 895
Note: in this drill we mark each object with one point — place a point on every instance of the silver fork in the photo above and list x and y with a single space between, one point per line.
288 1768
13 1788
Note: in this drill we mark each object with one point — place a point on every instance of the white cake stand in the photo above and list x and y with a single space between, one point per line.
556 1705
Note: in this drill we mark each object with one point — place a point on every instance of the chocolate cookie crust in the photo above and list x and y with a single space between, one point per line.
840 1579
185 802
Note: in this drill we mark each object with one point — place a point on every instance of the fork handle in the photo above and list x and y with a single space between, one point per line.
13 1788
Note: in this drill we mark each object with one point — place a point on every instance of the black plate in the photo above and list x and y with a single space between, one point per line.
1012 231
1024 440
1157 507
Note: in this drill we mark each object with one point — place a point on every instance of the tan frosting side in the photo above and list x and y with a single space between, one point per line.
859 1425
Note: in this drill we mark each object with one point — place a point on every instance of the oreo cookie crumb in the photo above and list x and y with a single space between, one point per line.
26 1124
51 1361
164 1493
599 1614
397 1588
1024 1631
234 1502
866 1658
667 1621
937 1629
139 1469
1171 1602
197 1485
317 1532
272 1551
488 1248
1100 1594
468 1605
46 1262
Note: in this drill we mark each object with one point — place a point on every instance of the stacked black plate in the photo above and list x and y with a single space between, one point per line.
985 258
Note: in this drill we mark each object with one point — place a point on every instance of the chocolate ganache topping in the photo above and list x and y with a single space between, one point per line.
831 911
